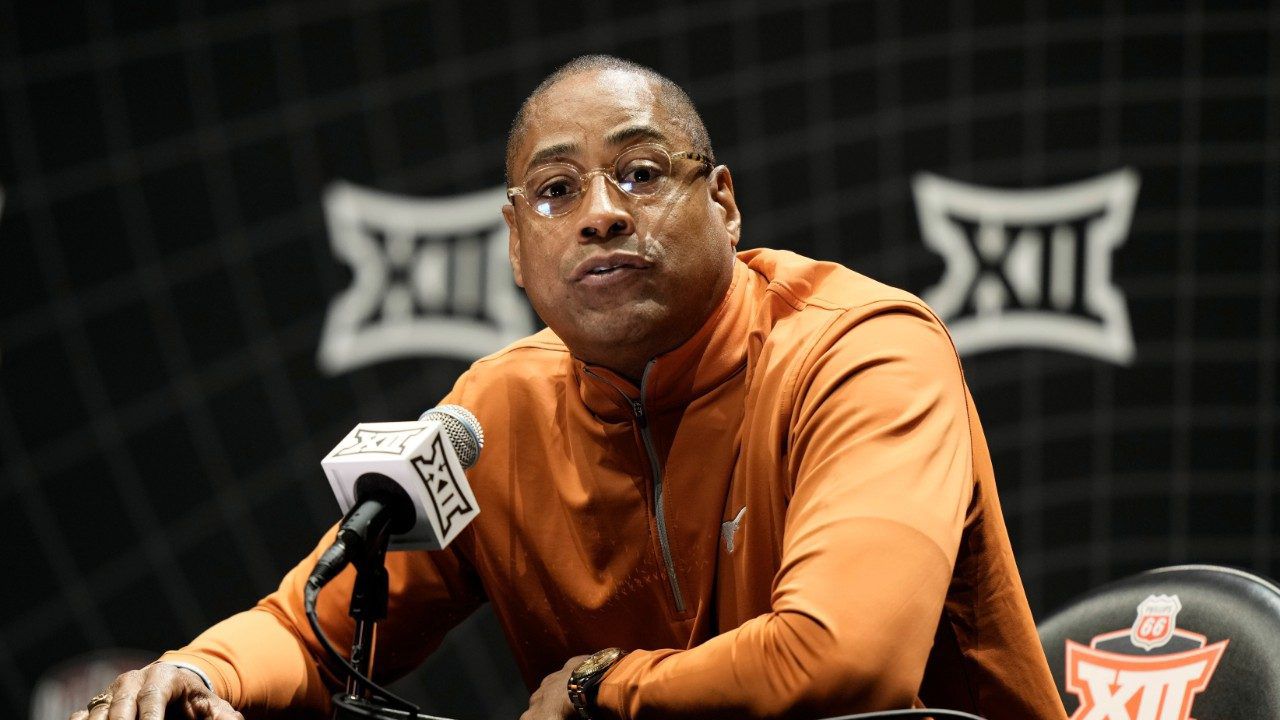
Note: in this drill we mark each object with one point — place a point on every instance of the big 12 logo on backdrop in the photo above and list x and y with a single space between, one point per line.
430 278
1030 268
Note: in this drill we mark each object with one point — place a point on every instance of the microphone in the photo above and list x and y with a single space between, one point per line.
401 486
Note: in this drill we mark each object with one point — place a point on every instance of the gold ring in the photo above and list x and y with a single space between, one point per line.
103 698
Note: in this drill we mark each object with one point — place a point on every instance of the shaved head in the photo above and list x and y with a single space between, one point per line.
677 102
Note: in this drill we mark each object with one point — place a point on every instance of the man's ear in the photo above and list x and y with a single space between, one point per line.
722 195
513 242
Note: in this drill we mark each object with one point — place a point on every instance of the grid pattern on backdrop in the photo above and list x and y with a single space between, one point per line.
165 265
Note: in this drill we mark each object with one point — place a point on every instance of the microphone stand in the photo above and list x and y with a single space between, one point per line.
368 606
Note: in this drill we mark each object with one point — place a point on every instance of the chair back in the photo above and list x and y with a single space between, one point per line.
1172 643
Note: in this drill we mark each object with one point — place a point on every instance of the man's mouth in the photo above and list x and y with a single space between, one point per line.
612 264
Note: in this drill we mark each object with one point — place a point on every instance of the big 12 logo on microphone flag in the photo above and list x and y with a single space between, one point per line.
419 457
1150 671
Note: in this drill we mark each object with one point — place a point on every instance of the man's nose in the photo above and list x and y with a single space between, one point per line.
604 213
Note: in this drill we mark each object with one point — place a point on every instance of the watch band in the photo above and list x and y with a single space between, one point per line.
584 681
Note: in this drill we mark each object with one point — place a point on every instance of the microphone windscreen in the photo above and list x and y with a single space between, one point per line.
463 429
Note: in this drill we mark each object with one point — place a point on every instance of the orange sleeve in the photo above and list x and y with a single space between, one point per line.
267 660
881 460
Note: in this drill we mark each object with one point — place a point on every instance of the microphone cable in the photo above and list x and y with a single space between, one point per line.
466 437
310 595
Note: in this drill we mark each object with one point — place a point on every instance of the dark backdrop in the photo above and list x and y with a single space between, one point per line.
165 266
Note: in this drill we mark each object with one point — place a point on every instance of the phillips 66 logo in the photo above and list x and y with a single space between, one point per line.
1151 671
1157 618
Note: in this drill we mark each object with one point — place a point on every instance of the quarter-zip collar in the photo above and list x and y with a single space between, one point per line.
676 378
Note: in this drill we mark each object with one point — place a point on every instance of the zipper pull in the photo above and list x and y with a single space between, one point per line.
637 409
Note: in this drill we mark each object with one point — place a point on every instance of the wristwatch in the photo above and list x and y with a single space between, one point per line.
585 679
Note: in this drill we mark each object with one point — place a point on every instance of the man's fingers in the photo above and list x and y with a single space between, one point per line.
212 707
122 708
101 705
98 712
153 698
146 694
123 691
146 690
164 686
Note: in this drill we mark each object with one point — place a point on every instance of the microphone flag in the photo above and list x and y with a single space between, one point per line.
419 457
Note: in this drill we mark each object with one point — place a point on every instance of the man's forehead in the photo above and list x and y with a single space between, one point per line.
595 109
606 83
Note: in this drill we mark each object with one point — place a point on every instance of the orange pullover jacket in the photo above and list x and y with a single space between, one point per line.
793 515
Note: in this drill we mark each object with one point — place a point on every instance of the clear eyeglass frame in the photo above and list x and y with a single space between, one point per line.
557 188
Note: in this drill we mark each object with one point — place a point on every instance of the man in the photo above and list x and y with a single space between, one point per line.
748 486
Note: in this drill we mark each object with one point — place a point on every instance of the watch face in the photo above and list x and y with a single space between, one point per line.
597 662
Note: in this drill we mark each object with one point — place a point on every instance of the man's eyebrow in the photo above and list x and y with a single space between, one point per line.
634 131
552 151
616 137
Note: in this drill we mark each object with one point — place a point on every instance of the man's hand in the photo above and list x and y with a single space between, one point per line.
551 700
145 694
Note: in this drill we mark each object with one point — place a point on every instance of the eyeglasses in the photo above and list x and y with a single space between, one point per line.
642 172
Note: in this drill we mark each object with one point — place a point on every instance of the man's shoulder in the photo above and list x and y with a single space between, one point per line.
815 310
827 287
515 379
540 354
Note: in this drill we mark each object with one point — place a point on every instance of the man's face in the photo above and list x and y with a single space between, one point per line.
666 260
